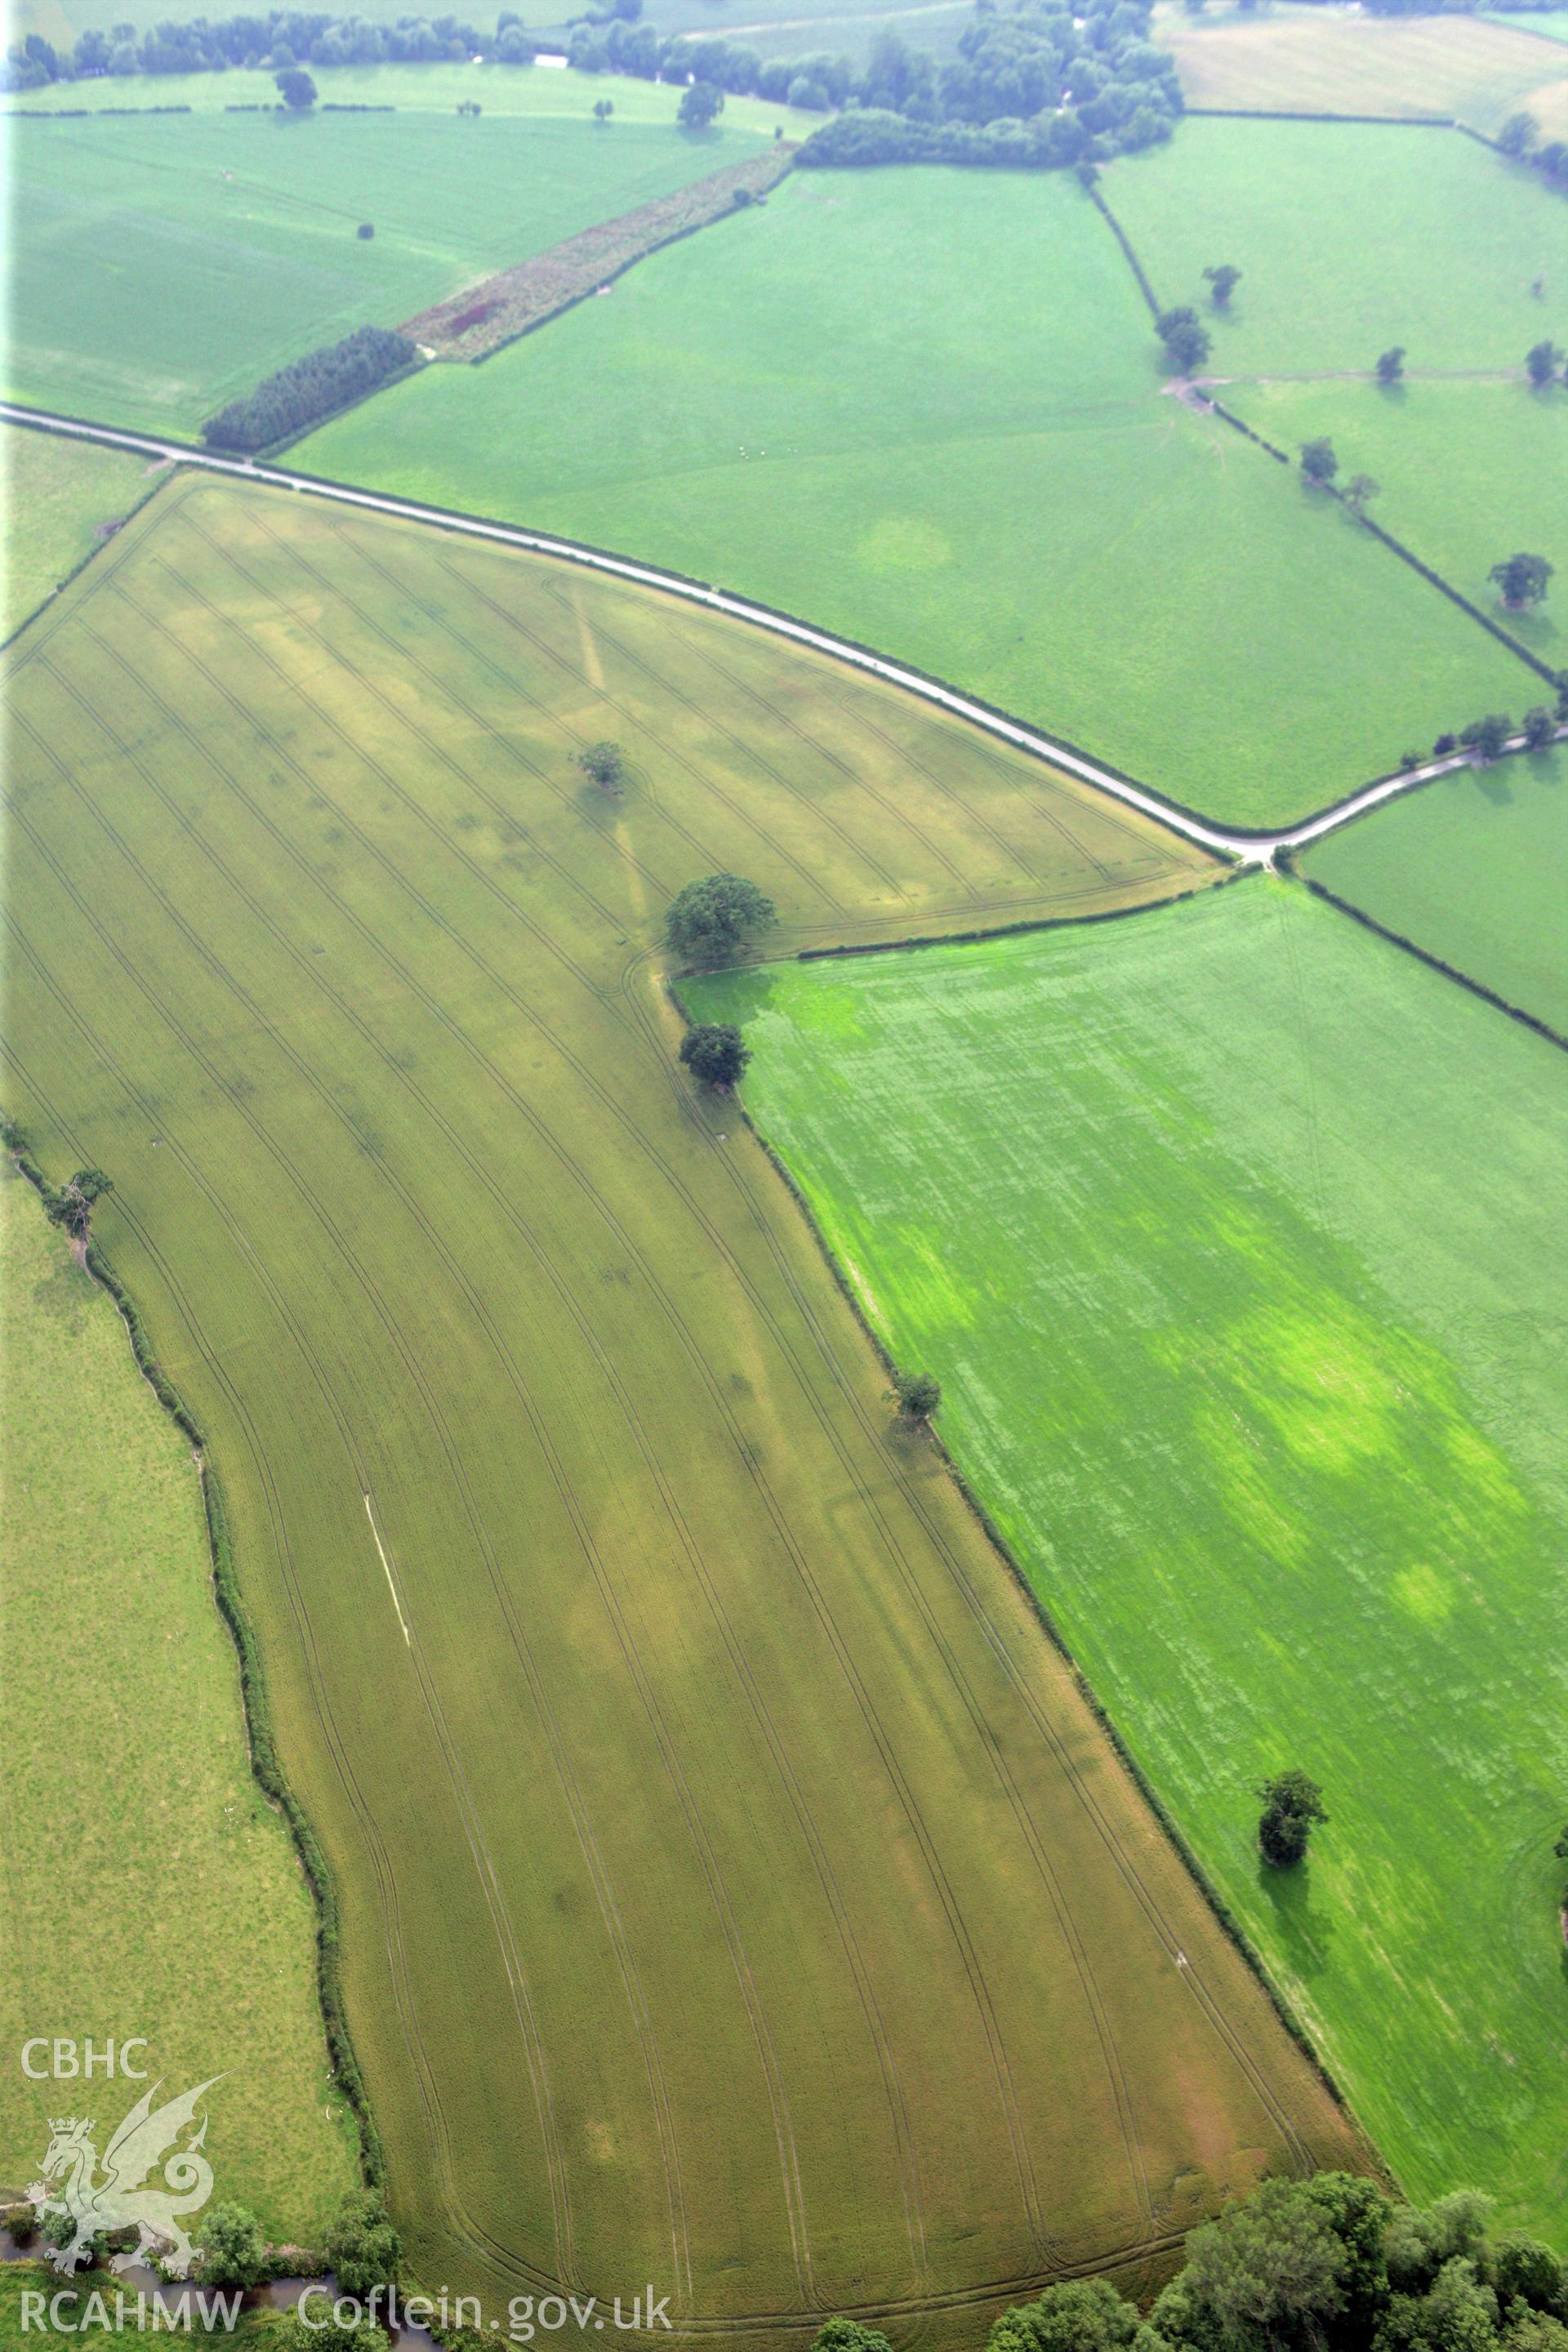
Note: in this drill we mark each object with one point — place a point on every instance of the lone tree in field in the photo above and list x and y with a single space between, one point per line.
715 1052
699 102
1487 736
603 108
1319 462
1542 362
1391 364
1522 581
1518 134
710 921
1223 280
1291 1804
366 229
71 1206
296 89
606 763
1540 727
918 1394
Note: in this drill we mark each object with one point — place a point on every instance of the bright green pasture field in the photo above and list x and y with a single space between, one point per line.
1469 474
1232 1235
1350 237
56 496
1019 512
1474 869
1550 23
737 1893
1329 61
149 1887
162 265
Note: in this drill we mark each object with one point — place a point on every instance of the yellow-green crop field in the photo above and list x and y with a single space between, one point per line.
738 1893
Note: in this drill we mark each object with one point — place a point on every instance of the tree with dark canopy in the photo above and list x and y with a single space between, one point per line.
363 2249
1391 364
1319 462
1542 362
1522 580
711 920
1291 1804
699 105
715 1052
71 1206
1487 736
296 89
606 763
919 1394
1223 280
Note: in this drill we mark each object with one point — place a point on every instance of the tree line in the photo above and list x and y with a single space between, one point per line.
277 39
1330 2264
307 389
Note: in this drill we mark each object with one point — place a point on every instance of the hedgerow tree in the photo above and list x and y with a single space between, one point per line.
1487 736
1518 134
1391 364
1542 362
919 1394
1540 727
71 1206
711 920
1076 2316
364 2250
1291 1803
1522 580
1359 492
848 2335
1185 338
1223 280
714 1051
1319 462
296 89
234 2248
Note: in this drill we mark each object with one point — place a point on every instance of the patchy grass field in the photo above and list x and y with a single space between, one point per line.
988 485
149 1887
1232 1235
1319 61
1351 237
58 496
161 266
1474 869
734 1880
1469 473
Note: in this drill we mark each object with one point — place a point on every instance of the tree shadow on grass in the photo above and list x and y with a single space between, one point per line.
1305 1930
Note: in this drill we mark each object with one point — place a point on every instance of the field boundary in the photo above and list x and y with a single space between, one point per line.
78 568
1231 1926
1254 846
1450 972
256 1712
1315 114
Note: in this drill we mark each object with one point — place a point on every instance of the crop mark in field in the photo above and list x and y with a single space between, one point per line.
391 1583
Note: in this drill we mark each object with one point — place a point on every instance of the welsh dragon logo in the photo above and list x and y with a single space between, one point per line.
121 2196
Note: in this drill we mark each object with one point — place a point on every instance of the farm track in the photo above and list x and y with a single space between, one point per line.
313 684
1248 847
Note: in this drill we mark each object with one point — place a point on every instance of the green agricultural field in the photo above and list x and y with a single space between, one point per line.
1468 474
1546 24
1474 869
1323 61
1232 1235
58 497
150 1890
737 1893
1021 513
1352 237
161 266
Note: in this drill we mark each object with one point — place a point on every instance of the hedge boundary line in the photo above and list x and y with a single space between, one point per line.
91 556
1128 249
1239 424
1014 930
1298 114
260 1744
1424 955
1234 1932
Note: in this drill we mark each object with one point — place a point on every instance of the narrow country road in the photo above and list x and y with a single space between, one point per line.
1250 849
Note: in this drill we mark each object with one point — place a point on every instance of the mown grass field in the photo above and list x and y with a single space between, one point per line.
1474 869
922 408
1230 1233
1469 473
1351 237
1315 61
737 1893
149 1889
56 497
163 264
